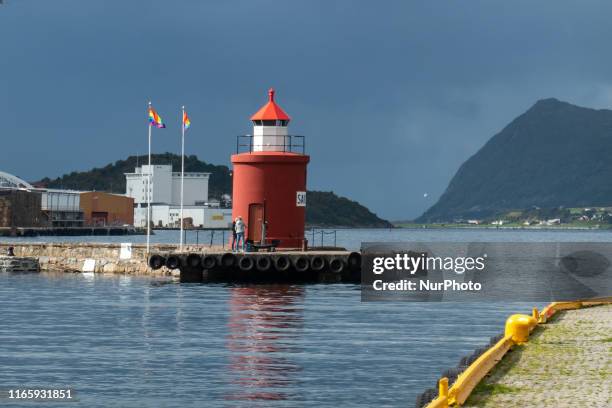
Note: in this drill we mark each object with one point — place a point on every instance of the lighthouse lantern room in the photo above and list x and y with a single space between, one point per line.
270 127
269 180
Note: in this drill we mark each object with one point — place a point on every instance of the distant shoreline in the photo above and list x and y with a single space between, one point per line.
509 227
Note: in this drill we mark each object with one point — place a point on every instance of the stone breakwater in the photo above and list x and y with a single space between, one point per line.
96 257
18 264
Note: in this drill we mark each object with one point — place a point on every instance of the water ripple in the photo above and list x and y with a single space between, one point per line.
138 342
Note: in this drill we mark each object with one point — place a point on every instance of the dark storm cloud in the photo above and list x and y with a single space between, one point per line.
393 95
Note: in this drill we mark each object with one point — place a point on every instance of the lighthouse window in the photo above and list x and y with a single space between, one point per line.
270 122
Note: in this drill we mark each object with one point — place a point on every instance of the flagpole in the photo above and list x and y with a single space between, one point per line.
149 191
182 169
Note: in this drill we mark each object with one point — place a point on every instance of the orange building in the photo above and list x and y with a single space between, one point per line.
102 209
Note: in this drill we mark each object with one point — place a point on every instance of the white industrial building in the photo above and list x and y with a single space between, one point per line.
165 193
166 186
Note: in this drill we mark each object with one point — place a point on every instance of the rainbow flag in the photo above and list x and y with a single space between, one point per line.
186 121
155 119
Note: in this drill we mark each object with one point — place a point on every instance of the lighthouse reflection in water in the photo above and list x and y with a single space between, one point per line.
137 342
265 325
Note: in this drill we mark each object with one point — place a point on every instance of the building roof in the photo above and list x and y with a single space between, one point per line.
270 111
9 181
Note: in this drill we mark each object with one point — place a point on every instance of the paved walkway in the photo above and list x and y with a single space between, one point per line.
566 363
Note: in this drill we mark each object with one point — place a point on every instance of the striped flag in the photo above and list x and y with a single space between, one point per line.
155 119
186 121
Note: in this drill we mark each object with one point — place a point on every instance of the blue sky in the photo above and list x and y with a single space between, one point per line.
392 95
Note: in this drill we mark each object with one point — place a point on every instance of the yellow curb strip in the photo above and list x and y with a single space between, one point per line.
517 331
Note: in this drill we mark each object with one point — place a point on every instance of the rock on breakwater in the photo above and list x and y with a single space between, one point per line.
18 264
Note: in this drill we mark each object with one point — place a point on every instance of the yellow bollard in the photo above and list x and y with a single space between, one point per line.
443 389
518 326
533 319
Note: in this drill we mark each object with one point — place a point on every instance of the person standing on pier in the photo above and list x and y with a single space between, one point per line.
234 246
239 228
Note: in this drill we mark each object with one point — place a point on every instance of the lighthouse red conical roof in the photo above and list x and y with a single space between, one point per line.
271 111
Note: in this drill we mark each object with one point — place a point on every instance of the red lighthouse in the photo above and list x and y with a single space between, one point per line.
269 190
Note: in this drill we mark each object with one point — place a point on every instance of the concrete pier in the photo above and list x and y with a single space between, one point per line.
196 263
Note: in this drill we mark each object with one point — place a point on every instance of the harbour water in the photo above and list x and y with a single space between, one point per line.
352 238
149 342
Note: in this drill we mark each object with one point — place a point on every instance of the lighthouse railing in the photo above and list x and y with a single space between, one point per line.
290 144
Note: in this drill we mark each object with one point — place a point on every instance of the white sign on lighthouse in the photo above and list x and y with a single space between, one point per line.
300 199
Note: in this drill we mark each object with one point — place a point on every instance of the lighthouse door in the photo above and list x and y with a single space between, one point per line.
256 212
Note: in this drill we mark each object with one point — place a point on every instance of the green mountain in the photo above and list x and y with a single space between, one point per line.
554 155
324 208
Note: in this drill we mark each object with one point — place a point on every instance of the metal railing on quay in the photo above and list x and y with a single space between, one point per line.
210 237
319 235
